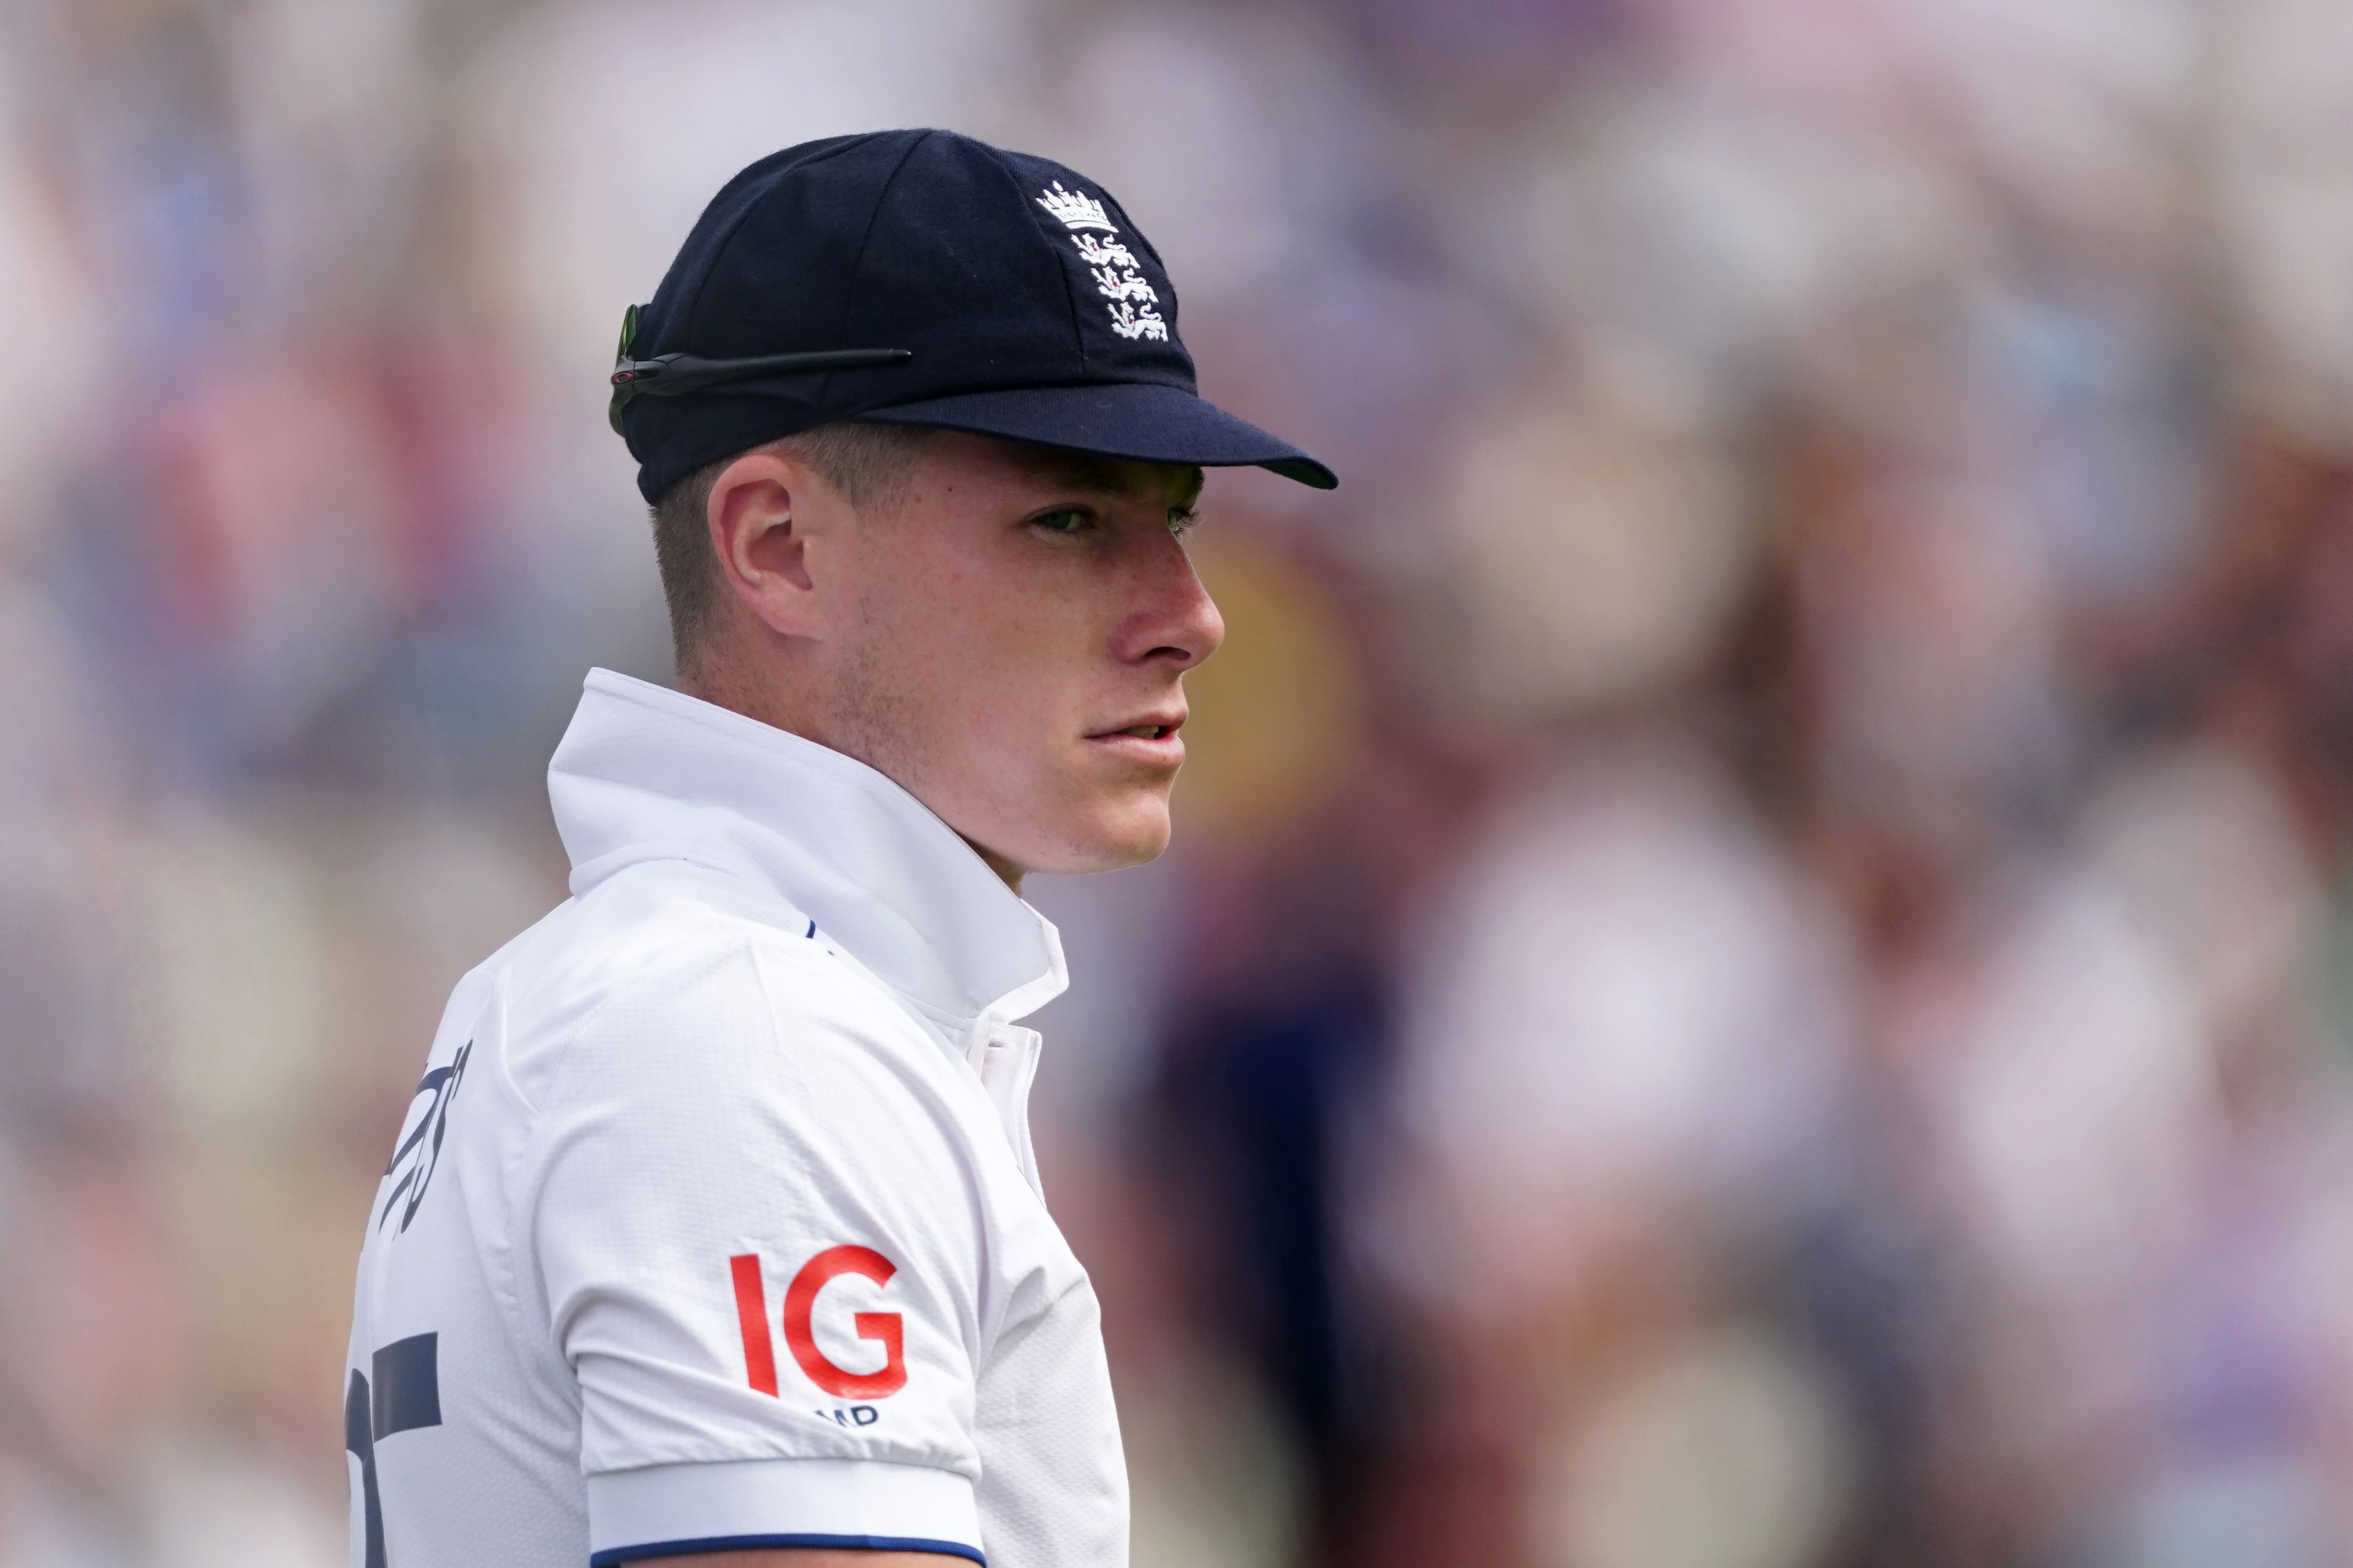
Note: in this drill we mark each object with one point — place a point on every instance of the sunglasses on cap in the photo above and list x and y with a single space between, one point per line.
672 375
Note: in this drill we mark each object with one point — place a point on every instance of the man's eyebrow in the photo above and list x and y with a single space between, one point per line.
1079 472
1106 476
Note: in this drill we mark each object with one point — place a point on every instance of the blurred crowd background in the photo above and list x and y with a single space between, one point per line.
1759 963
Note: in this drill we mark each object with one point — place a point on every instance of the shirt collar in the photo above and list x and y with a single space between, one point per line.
647 773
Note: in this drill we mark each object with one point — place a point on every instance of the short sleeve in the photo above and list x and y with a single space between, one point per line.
752 1221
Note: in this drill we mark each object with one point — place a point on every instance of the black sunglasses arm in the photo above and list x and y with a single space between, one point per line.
669 375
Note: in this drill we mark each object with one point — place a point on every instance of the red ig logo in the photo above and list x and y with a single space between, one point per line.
800 1302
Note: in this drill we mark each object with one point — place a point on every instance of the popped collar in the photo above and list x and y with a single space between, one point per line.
646 774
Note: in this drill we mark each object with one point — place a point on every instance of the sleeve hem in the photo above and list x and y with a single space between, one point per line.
744 1504
621 1554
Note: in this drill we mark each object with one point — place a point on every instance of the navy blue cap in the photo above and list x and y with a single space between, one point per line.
919 278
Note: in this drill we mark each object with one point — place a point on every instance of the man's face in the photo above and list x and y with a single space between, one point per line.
1018 631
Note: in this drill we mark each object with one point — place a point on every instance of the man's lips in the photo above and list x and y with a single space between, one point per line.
1150 738
1150 727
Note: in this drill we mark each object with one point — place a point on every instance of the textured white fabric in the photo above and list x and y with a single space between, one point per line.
746 1112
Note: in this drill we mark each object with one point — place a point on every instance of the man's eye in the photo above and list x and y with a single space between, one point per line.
1062 519
1181 520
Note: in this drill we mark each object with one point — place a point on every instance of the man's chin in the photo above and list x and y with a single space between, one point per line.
1110 840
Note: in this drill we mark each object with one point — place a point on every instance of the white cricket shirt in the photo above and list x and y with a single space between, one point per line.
713 1224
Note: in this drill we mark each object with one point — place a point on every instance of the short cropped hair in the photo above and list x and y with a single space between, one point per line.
869 464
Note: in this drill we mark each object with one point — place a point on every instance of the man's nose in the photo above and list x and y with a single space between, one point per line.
1176 620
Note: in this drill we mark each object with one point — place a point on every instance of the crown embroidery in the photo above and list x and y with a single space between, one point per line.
1074 210
1111 264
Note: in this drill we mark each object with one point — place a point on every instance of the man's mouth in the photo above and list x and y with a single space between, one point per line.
1149 727
1150 739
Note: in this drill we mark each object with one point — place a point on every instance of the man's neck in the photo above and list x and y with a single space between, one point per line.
1006 871
710 684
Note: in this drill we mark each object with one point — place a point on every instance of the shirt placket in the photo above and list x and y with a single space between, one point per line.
1006 1057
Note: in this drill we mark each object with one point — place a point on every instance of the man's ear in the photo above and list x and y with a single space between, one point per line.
764 509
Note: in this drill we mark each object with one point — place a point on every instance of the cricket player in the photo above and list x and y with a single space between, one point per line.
713 1233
